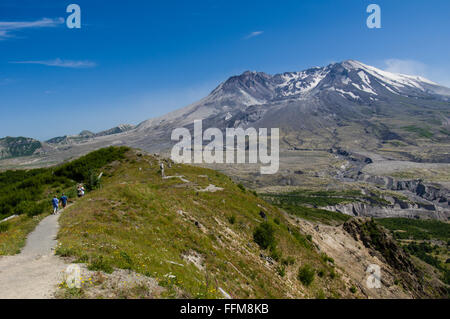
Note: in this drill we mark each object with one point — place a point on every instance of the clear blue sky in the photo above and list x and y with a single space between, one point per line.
135 60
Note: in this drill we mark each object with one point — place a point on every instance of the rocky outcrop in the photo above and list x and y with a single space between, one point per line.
418 187
380 242
426 200
436 197
400 209
353 259
426 191
351 156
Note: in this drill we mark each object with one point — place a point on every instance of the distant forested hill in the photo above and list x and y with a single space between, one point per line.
18 146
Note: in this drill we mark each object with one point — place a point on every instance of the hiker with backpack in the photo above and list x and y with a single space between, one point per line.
55 203
80 190
64 200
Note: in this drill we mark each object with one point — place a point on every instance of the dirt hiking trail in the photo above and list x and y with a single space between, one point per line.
36 271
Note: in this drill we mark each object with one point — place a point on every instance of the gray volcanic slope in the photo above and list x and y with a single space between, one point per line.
346 105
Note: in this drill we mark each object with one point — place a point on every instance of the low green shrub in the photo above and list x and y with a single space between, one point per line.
21 191
31 209
306 274
264 235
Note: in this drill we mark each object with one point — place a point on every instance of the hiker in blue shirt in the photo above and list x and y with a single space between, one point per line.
63 200
55 203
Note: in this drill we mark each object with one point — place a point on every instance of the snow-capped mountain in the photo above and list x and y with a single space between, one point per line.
321 106
339 91
353 79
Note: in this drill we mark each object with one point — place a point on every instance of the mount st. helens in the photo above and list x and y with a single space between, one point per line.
317 101
343 124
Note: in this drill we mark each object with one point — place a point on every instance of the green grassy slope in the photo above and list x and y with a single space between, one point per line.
306 204
28 194
418 229
137 220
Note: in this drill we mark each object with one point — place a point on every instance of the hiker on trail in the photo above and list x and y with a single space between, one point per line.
55 203
63 200
80 191
161 166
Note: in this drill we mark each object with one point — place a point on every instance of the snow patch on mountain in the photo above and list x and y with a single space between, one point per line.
364 78
394 79
352 95
296 83
364 88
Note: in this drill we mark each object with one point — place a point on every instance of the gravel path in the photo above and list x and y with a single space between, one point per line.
36 271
